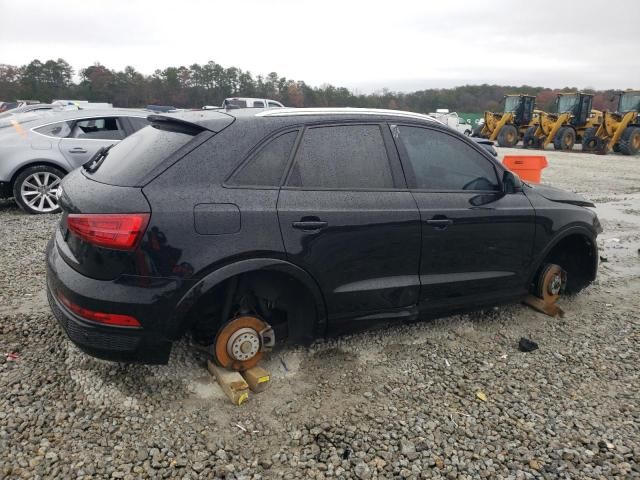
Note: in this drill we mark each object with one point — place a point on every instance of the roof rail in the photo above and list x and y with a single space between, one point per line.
291 112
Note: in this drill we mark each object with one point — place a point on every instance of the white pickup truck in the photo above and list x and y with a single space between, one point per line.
453 120
246 102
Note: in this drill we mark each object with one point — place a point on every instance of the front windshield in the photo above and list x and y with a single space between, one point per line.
567 103
511 104
629 102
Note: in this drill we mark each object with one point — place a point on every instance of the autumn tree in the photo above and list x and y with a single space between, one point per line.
208 84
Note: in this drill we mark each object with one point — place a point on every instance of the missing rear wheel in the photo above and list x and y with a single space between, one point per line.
240 344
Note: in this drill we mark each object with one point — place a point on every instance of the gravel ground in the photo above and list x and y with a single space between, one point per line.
403 402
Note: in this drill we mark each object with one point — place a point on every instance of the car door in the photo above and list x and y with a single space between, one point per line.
477 241
88 135
347 219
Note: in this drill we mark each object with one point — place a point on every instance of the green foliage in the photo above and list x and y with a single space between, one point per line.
208 84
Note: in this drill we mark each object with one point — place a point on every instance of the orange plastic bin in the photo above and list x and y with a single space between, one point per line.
527 167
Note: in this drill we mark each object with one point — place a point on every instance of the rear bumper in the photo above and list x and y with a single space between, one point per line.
119 344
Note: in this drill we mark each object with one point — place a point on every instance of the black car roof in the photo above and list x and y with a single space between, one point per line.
216 120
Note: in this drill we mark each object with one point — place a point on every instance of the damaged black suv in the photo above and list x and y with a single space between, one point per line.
250 228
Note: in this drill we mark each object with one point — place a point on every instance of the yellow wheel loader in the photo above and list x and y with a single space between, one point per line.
508 126
618 131
573 118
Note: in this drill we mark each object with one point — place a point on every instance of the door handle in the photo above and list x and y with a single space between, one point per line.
77 150
440 223
308 225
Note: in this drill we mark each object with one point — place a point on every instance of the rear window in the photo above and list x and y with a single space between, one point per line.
138 123
128 162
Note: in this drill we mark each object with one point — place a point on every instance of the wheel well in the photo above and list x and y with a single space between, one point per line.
277 297
576 254
35 164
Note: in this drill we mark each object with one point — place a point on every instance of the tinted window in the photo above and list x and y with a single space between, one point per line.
128 162
258 104
60 129
267 166
138 123
107 128
274 105
348 156
440 161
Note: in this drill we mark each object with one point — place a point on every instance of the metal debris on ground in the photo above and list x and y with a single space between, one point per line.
526 345
12 356
284 365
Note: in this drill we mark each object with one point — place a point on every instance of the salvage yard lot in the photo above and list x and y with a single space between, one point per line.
399 402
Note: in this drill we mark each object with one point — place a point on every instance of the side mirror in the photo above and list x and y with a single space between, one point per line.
511 183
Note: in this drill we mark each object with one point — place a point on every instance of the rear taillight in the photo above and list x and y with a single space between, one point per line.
120 231
114 319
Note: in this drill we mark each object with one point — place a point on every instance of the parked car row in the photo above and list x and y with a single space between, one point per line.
37 149
5 106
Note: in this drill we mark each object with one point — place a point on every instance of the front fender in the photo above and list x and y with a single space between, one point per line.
215 278
558 237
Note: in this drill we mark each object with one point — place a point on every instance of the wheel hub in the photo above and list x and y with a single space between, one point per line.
244 344
555 284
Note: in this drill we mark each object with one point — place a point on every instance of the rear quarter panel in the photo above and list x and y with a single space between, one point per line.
193 185
21 149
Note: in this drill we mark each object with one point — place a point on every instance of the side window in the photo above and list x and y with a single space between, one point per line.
345 156
258 104
60 129
234 102
440 161
138 123
274 105
265 168
107 128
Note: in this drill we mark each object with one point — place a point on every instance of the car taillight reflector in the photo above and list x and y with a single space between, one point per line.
115 319
120 231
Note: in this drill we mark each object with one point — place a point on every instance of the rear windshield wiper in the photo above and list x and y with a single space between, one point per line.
96 160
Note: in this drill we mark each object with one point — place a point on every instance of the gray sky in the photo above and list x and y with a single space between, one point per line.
364 45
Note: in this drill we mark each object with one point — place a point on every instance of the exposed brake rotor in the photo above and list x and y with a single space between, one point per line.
241 343
551 283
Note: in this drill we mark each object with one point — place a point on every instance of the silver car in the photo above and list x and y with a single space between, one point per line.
37 149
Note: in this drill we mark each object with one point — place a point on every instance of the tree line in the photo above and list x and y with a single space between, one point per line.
208 84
